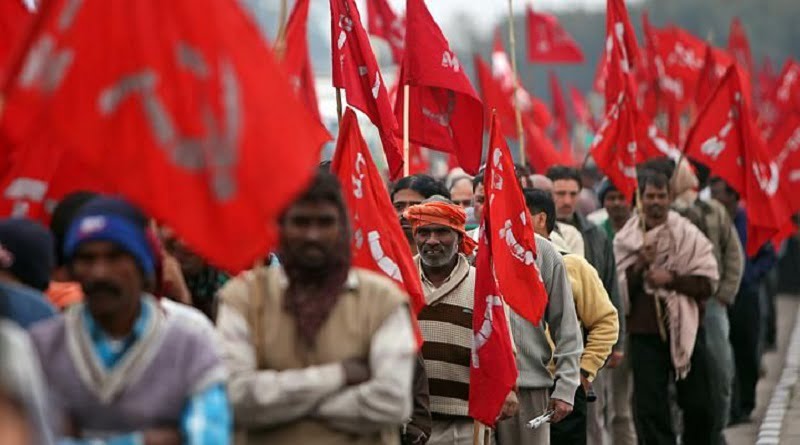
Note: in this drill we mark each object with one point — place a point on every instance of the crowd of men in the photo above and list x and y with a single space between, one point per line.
114 332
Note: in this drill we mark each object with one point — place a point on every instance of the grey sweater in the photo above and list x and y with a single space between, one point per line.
533 349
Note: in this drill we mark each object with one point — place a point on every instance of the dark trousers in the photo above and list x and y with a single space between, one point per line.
745 317
652 374
572 429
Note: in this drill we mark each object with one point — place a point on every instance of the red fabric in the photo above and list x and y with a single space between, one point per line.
653 143
418 160
622 52
581 107
785 146
708 78
494 98
725 139
384 23
14 21
674 132
739 45
442 214
493 367
356 71
562 120
614 148
296 60
511 236
200 132
678 60
542 153
766 78
600 74
378 243
530 106
787 89
445 112
548 42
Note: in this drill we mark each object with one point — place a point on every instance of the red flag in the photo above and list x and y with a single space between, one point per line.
739 45
674 132
418 160
622 52
511 234
542 153
494 98
559 106
530 106
356 71
785 145
600 74
445 112
787 88
653 143
384 23
378 244
614 147
493 368
296 59
548 42
708 78
581 107
679 60
725 139
183 95
766 78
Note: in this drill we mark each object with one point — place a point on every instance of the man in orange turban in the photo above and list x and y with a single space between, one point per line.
438 211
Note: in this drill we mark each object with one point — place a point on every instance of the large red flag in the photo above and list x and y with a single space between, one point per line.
511 234
356 71
384 23
173 106
581 107
678 59
725 139
561 118
296 59
622 52
445 112
493 368
548 42
785 145
739 45
542 153
378 243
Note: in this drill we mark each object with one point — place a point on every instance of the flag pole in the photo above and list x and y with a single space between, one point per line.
339 104
517 112
406 94
280 38
476 433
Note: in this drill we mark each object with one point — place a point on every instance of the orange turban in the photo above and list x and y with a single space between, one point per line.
443 214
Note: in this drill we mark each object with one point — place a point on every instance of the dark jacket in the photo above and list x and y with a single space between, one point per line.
599 252
418 430
24 305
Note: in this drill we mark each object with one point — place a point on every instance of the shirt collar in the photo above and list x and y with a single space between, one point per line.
139 326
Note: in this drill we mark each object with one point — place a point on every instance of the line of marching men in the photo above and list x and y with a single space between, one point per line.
113 332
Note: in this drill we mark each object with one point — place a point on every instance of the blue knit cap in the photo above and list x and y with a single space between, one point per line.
115 221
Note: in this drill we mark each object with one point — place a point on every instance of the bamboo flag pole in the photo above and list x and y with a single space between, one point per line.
406 144
517 112
280 38
476 433
339 104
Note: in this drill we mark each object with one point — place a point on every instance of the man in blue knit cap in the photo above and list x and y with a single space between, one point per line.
120 370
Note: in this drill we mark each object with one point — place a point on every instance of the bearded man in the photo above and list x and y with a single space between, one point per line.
319 352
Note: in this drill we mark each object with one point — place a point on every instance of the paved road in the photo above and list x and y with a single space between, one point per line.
748 434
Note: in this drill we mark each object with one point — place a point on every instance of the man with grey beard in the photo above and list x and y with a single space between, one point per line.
446 321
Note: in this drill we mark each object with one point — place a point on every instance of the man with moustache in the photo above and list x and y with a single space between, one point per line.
448 281
120 369
412 190
667 271
319 352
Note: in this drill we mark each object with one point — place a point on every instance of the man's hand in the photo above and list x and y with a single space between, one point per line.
615 359
647 256
586 384
356 371
561 409
510 406
162 436
658 277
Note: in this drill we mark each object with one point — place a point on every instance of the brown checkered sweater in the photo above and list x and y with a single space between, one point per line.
446 325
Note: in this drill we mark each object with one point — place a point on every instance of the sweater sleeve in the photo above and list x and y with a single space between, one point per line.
731 259
565 331
611 286
595 311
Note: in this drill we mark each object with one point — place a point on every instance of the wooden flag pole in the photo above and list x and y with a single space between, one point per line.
339 104
280 38
476 433
406 144
517 111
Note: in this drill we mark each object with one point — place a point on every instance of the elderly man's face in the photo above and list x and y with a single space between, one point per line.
437 244
461 193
